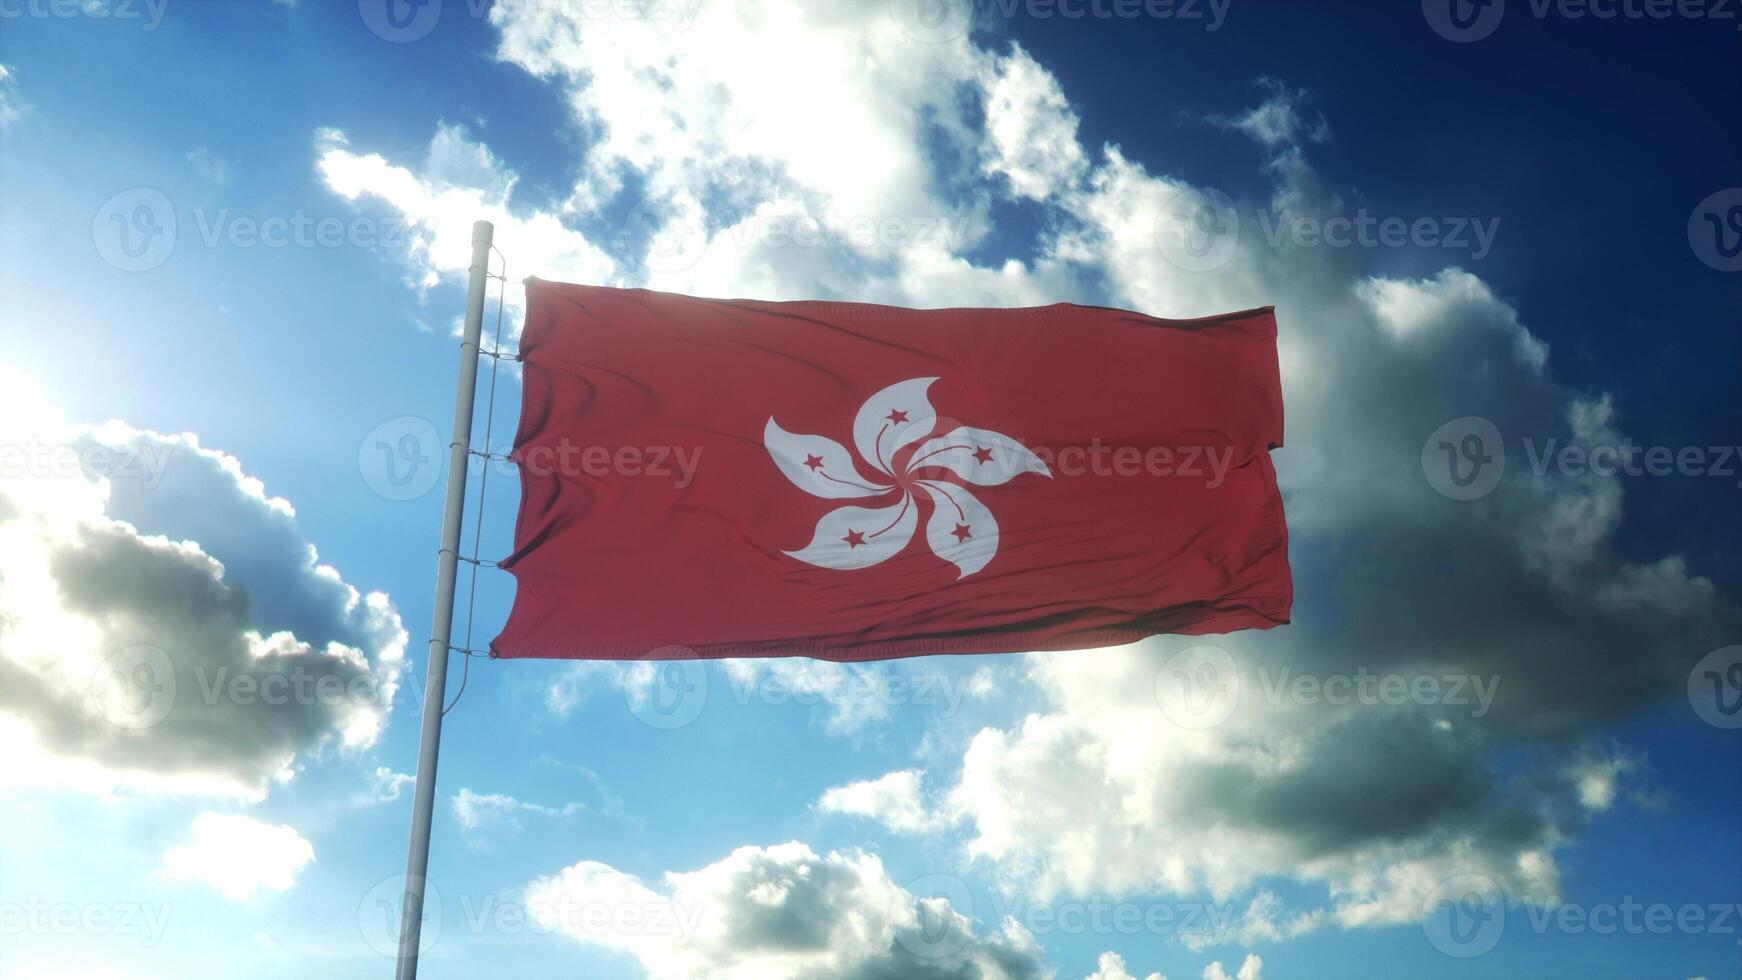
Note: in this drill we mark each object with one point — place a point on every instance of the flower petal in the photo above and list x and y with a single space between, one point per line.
897 416
961 530
817 465
980 456
859 537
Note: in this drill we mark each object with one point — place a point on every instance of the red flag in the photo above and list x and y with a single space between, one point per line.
856 482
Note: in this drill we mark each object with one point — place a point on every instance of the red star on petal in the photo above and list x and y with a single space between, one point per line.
961 532
983 454
854 538
897 416
814 462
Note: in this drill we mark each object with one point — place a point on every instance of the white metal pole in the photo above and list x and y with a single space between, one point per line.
435 691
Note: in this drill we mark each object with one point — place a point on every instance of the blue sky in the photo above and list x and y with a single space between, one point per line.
1039 794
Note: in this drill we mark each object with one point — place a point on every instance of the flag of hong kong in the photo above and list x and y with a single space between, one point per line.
856 482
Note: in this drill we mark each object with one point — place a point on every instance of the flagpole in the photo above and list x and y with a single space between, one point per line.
441 632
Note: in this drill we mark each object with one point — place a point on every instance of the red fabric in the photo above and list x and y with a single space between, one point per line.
616 559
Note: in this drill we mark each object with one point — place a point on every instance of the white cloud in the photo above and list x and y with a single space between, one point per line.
1112 967
779 913
458 183
1280 120
849 699
1030 129
830 98
894 800
165 626
11 107
1251 969
476 811
238 856
852 696
575 682
1264 920
209 165
385 785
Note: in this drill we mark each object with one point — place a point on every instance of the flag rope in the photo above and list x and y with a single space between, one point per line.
483 485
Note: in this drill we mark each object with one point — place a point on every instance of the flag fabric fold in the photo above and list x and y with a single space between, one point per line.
713 478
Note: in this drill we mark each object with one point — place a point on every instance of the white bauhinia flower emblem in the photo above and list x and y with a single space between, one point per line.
961 530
